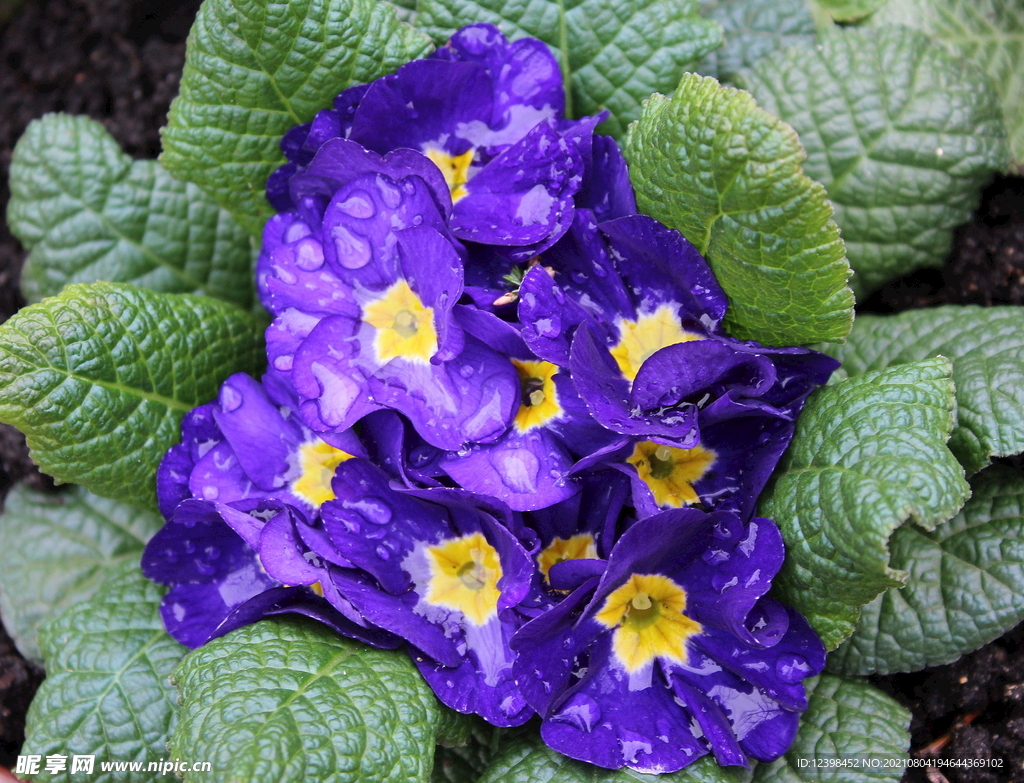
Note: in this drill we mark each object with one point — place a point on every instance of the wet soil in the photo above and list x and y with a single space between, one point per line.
119 61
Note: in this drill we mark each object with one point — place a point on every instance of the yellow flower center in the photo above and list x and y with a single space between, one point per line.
647 615
670 472
405 327
464 574
649 333
562 549
539 403
317 461
455 169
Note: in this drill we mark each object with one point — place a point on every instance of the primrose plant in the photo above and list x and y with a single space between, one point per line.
455 387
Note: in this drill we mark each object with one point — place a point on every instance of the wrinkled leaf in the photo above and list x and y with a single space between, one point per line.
106 692
846 719
989 32
529 760
254 69
986 346
619 51
100 377
900 132
55 549
869 454
290 700
849 10
728 175
87 212
964 588
752 29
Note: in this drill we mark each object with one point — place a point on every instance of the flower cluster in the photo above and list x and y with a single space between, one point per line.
502 425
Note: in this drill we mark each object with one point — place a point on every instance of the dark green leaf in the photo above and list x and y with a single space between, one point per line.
869 454
986 346
964 588
845 719
87 212
989 32
528 760
254 69
290 700
752 29
619 51
100 377
728 175
106 692
900 132
56 548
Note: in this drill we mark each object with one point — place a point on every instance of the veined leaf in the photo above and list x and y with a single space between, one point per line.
106 692
986 346
900 132
289 700
55 549
869 454
254 69
614 53
963 588
87 212
100 377
728 176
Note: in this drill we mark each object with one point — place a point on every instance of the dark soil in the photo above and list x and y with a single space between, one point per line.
119 61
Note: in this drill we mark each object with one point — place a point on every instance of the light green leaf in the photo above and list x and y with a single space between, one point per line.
56 548
100 377
254 69
405 9
106 692
964 588
869 453
989 32
87 212
986 346
529 760
845 719
752 29
618 51
289 700
728 175
900 132
849 10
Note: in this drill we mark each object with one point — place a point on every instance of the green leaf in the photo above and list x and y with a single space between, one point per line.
989 32
752 29
849 10
845 719
869 453
254 69
106 692
55 549
900 132
290 700
529 760
618 51
100 377
728 175
986 346
964 588
87 212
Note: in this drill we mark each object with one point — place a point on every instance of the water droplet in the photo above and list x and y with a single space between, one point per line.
353 252
359 205
467 370
383 553
580 711
188 546
230 398
284 363
212 552
792 668
210 492
309 255
296 231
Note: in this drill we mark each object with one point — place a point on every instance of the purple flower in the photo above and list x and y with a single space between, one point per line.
207 554
251 444
443 569
487 113
362 279
673 651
